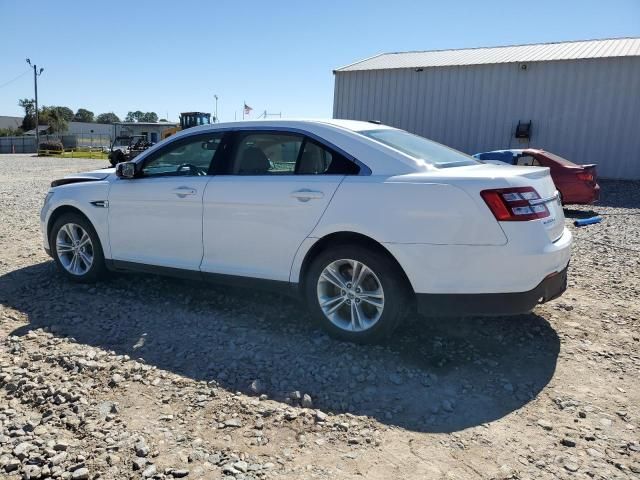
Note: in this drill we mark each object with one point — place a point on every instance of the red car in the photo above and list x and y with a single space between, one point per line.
576 183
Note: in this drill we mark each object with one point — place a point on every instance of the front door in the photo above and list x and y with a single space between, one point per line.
276 191
156 219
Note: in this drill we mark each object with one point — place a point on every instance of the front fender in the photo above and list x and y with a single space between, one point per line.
79 196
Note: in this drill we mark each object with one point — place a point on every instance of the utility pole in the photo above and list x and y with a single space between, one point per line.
216 97
36 74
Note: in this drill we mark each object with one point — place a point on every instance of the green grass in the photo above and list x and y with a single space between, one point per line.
79 153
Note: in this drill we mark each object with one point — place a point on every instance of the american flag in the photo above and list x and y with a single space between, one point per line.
247 109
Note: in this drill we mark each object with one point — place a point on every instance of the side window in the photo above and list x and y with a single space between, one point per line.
184 157
316 159
528 160
267 154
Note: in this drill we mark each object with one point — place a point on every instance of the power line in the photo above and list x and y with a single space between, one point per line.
14 79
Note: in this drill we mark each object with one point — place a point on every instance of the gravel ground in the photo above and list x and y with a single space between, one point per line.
149 377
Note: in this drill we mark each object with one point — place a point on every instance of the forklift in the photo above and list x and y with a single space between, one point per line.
188 120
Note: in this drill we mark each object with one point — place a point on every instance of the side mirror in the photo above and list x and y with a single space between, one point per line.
126 169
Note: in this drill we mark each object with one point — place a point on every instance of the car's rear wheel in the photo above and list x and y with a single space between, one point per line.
356 294
76 248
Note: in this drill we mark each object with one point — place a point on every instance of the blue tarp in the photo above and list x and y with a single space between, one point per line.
501 156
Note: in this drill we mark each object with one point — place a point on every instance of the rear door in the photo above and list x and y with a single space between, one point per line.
277 187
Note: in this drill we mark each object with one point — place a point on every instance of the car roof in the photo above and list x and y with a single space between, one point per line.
343 135
352 125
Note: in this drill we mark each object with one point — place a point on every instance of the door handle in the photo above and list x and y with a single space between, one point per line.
304 195
184 191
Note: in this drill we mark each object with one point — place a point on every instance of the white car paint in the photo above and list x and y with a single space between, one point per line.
255 227
433 221
157 221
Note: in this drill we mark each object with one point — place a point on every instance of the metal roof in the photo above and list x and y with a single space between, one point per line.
540 52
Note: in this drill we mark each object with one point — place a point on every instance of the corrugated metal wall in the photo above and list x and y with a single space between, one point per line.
585 110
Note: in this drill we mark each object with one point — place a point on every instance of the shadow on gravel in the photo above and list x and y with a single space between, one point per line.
618 194
434 376
576 214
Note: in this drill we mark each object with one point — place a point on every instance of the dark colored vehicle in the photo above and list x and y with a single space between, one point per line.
188 120
576 183
127 148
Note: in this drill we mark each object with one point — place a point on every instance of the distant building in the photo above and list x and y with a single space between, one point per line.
80 134
153 131
580 100
10 122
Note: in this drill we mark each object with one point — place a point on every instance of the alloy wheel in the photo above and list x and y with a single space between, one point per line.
74 248
350 295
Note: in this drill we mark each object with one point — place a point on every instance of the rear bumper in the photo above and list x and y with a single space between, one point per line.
551 287
580 193
518 266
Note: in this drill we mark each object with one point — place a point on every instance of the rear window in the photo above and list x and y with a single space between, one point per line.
415 146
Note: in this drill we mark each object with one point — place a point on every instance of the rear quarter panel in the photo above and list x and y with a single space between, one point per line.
402 210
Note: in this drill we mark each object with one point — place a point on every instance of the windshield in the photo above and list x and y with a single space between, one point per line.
431 152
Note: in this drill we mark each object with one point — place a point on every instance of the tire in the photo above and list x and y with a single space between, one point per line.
380 275
70 228
116 157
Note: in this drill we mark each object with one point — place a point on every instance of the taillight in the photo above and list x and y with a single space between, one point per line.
585 176
515 204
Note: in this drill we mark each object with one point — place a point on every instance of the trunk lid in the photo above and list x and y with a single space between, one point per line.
475 178
487 176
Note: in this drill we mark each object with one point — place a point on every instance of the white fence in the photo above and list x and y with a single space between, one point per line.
27 143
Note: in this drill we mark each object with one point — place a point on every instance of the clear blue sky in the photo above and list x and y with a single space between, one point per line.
277 55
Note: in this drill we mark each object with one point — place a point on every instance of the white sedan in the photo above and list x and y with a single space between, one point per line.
365 221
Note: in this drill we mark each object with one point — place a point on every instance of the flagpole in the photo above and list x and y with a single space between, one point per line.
244 102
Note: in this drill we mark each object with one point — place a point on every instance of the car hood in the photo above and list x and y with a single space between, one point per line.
91 176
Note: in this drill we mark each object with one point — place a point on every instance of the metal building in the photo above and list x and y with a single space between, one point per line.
582 98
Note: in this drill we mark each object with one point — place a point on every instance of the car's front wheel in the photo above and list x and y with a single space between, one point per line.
116 157
76 248
356 293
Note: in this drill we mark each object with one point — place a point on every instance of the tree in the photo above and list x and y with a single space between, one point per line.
10 132
139 116
163 120
149 117
83 115
134 116
55 118
29 120
107 118
64 112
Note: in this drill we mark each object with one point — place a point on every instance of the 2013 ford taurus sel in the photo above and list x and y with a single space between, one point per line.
363 220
